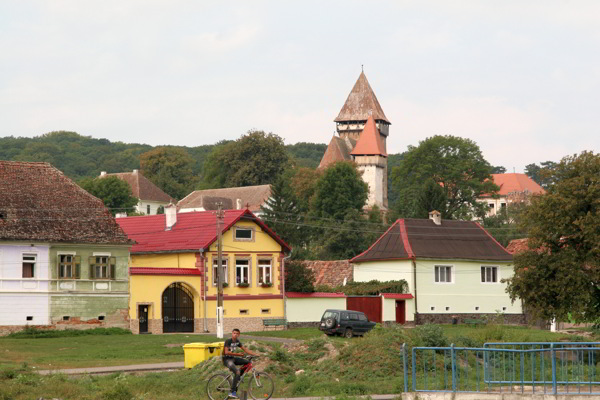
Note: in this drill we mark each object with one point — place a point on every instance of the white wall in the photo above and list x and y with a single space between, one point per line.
22 297
310 309
142 206
389 310
393 270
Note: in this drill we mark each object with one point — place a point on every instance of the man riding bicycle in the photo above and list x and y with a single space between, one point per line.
232 357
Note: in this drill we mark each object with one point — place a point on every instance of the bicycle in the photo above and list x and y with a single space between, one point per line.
260 385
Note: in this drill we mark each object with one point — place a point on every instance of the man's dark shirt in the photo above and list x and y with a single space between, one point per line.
234 347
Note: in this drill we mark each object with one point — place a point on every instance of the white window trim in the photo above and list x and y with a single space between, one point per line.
259 267
249 228
225 267
249 267
497 275
103 254
35 264
452 273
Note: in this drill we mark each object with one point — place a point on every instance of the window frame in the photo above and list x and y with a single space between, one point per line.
148 209
437 275
32 262
75 265
111 266
225 267
248 268
261 271
244 228
484 275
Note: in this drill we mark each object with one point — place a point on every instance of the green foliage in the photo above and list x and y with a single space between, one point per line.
169 168
429 335
430 197
371 288
31 332
498 170
298 278
560 275
114 193
306 154
541 174
339 190
280 355
506 224
256 158
454 163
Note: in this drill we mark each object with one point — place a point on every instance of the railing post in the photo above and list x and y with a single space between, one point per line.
414 369
453 357
553 355
405 369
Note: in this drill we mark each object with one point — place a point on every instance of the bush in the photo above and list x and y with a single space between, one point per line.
280 356
430 335
35 333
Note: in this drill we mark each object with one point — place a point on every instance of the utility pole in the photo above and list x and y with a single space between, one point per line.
220 217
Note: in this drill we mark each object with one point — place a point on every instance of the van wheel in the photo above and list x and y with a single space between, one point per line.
348 333
329 323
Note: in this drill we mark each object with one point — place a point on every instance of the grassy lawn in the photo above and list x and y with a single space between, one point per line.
332 366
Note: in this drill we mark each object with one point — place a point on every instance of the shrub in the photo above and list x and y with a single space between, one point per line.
35 333
430 335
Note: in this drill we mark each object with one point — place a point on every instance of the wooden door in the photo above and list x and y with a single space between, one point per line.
370 305
400 311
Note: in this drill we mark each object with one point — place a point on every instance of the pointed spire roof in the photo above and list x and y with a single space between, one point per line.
360 102
369 142
338 150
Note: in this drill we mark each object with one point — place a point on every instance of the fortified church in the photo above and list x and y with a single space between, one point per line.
362 129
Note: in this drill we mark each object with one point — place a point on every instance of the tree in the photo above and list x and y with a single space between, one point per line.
256 158
304 184
339 190
541 174
560 274
454 163
169 168
432 196
506 224
114 193
498 170
281 214
299 278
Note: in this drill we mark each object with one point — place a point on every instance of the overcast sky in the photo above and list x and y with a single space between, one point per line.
520 78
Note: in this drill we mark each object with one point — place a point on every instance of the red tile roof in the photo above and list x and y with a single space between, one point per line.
193 231
314 295
516 183
361 103
164 271
422 238
38 202
369 143
142 187
397 296
338 150
517 246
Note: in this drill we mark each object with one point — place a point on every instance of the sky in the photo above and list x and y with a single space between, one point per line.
519 78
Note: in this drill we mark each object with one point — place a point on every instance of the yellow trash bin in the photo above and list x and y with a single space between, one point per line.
195 353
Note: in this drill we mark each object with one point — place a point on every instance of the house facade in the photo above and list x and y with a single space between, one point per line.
63 258
453 269
513 188
150 196
174 271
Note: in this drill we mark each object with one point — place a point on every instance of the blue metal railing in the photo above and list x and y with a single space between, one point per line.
557 368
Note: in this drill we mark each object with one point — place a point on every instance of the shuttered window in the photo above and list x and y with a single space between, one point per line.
69 266
102 267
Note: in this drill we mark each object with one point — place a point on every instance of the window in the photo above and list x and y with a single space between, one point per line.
264 271
29 318
29 265
265 311
443 274
68 266
242 271
362 317
244 234
489 274
491 205
148 209
244 312
224 270
353 317
102 266
502 205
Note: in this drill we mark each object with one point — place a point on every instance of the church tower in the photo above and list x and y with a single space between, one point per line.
362 129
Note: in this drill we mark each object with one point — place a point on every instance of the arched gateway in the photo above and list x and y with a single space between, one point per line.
177 309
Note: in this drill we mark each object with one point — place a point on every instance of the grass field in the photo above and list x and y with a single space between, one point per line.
332 366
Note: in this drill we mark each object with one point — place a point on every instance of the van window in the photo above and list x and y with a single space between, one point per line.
362 317
353 317
329 314
345 316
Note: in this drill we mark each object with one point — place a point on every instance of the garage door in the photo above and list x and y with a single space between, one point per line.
370 305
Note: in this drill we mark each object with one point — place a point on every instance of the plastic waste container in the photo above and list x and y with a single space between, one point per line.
195 353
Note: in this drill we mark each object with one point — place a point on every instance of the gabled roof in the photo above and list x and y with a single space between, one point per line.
361 103
516 183
422 238
369 142
39 203
193 231
251 197
338 150
142 187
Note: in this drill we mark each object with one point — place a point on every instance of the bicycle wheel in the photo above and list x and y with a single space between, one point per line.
218 387
261 386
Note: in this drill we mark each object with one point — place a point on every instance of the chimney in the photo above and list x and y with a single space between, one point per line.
238 204
121 215
436 217
135 171
103 173
170 216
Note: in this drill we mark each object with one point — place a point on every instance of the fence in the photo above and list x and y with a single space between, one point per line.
535 368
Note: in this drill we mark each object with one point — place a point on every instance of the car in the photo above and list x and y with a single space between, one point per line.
345 322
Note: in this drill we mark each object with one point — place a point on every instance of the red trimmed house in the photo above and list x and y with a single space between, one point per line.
174 265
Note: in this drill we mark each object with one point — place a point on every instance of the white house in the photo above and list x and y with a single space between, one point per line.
150 196
513 188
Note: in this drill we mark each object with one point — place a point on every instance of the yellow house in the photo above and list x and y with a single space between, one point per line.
173 281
